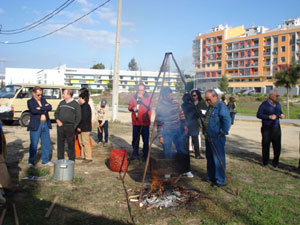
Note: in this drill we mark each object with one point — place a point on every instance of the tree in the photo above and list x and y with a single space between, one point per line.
132 65
2 84
223 86
288 79
99 66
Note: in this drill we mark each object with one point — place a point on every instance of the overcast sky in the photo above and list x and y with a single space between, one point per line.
150 28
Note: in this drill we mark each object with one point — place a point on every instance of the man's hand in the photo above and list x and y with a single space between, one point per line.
161 140
134 108
38 108
273 117
59 123
78 129
282 116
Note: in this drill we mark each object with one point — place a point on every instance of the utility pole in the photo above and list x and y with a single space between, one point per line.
115 92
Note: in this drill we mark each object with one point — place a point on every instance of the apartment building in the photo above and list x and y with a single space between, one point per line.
249 58
94 79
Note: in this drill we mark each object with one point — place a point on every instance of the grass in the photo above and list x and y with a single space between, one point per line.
266 195
248 105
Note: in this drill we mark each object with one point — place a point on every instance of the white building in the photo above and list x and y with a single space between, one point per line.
95 79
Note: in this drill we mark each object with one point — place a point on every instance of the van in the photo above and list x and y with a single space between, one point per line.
14 97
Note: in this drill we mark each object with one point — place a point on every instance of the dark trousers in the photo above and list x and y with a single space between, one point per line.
66 132
104 129
136 132
195 141
271 135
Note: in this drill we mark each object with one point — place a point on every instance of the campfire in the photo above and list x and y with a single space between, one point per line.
164 192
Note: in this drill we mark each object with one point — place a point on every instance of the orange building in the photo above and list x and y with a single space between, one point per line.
249 58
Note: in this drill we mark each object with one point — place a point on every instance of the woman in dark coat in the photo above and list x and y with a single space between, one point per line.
192 123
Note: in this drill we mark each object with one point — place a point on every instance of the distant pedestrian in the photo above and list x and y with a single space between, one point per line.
39 126
270 113
231 107
170 119
102 111
217 124
67 116
223 99
140 108
85 127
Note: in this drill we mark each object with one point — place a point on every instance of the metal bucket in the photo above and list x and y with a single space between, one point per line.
63 170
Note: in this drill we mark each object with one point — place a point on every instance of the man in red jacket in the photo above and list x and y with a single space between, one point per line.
140 108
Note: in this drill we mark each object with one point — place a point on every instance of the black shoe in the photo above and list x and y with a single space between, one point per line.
217 185
275 165
199 157
133 158
88 161
205 179
265 164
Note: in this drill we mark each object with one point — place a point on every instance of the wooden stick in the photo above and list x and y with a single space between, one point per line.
2 216
51 207
15 214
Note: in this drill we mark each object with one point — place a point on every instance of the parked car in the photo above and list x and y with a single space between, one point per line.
14 97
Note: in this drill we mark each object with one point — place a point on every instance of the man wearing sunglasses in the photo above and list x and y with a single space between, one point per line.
270 113
39 126
217 124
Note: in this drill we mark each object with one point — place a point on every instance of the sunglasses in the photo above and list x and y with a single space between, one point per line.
39 95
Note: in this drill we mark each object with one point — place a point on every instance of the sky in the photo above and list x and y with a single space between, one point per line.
150 28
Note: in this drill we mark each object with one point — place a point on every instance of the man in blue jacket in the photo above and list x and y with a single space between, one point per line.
39 126
270 113
217 124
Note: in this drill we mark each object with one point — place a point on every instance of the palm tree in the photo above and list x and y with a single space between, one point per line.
288 79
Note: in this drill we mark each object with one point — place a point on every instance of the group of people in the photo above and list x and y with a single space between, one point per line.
176 123
74 119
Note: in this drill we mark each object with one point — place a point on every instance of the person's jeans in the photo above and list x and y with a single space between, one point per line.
215 172
232 116
104 129
173 136
136 132
43 133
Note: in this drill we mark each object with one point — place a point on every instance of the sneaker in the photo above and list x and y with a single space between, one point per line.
48 164
105 144
167 176
216 185
30 165
188 174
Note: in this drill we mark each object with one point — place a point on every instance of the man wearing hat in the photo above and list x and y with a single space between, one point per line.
102 118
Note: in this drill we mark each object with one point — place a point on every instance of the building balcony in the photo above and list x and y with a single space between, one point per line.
298 40
267 64
268 43
267 53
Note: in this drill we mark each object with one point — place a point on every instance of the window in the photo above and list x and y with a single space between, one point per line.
256 79
25 93
250 80
283 49
293 48
275 39
220 64
275 60
282 59
283 38
213 64
208 65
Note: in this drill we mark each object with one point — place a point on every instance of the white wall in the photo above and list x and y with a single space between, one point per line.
20 76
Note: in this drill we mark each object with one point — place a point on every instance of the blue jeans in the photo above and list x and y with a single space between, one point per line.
232 115
215 172
176 137
136 132
35 135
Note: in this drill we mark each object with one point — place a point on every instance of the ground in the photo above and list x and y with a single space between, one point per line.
97 196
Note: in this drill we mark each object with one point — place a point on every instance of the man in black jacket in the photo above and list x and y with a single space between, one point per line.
67 116
85 127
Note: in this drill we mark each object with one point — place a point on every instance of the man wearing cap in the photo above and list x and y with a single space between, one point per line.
102 121
140 108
